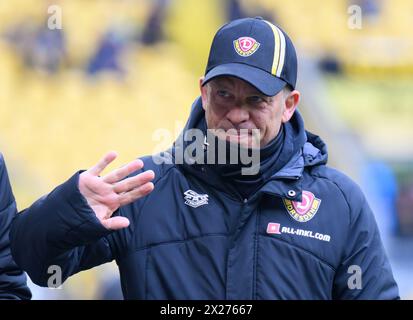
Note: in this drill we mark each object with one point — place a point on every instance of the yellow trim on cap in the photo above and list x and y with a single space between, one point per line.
279 50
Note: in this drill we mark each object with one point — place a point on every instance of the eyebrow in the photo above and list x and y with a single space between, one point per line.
228 82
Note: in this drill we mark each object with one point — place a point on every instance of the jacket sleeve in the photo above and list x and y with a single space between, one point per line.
12 279
59 235
365 271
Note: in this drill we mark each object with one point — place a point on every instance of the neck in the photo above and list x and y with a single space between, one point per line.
233 172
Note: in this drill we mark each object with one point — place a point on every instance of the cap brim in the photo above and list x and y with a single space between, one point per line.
260 79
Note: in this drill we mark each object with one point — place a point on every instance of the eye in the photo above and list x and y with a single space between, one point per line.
223 93
256 99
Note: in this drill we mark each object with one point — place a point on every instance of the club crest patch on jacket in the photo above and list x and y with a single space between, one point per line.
306 209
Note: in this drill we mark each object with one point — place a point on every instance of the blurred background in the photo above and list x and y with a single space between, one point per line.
117 70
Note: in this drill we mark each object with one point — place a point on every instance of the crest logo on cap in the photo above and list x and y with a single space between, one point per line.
246 46
305 210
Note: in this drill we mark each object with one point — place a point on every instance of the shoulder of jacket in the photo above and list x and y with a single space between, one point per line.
2 164
350 190
6 195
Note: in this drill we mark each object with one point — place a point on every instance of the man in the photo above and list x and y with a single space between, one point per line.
12 279
185 226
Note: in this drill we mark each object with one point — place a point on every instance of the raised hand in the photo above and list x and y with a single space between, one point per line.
106 194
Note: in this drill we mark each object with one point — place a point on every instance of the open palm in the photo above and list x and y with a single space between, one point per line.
106 194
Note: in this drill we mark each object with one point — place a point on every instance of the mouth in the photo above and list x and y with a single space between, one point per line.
248 137
238 135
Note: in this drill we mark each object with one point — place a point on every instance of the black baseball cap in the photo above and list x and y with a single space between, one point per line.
256 51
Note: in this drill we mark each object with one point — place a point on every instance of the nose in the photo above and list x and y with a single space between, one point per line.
238 115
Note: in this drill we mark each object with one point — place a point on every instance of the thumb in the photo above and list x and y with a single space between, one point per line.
115 223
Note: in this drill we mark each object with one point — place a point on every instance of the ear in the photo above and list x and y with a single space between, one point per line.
290 104
203 90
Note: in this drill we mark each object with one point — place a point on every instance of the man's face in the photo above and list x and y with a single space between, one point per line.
232 104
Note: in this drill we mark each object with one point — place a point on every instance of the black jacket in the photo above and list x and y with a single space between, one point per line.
307 233
12 279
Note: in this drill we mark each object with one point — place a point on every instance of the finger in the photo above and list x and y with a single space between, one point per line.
103 163
120 173
129 197
116 223
134 182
